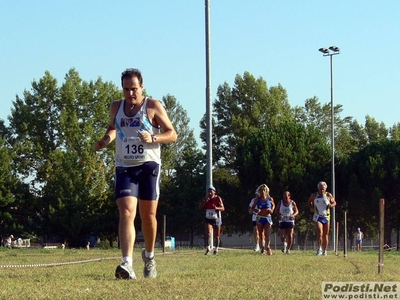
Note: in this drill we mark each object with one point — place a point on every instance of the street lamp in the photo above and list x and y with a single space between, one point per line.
333 50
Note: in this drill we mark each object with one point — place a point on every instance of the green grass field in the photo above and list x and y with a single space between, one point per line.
185 274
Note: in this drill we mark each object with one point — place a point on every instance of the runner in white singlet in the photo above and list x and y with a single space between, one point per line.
320 204
139 124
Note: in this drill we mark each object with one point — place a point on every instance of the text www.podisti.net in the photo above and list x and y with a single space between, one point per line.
360 290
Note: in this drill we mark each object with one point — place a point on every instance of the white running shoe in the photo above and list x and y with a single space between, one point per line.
284 247
124 271
256 248
325 253
319 252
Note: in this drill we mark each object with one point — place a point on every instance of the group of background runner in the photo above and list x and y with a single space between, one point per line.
262 206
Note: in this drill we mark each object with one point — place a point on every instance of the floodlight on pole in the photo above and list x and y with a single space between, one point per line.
323 50
333 50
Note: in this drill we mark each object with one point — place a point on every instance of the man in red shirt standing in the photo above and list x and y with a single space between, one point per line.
213 205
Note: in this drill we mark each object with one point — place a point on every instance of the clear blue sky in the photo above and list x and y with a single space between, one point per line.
277 40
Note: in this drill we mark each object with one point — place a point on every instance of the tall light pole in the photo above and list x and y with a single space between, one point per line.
208 105
333 50
208 95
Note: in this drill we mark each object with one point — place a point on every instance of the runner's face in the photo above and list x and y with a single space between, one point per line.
322 189
263 193
286 195
132 90
211 192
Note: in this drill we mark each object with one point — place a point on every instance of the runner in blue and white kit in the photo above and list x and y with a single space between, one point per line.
264 205
359 235
139 124
286 210
320 204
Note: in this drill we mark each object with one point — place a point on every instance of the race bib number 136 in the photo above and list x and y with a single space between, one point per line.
133 149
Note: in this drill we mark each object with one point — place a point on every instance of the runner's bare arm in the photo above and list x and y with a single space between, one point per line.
161 119
295 210
272 205
311 202
109 136
221 206
332 201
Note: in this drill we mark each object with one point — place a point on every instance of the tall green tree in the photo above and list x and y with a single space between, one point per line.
371 174
9 185
320 116
53 131
283 156
16 202
375 131
238 111
394 132
172 153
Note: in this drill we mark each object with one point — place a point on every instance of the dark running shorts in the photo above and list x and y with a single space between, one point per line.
286 225
214 222
323 220
142 182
